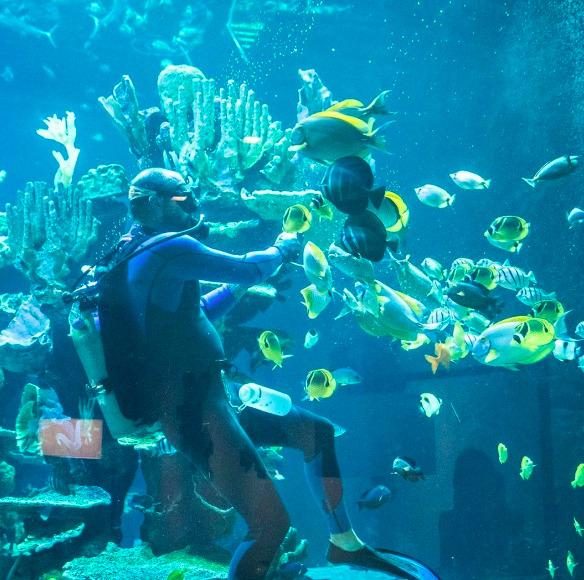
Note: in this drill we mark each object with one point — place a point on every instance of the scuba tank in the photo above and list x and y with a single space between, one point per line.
265 399
85 332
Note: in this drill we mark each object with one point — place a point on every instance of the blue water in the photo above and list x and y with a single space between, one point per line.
489 86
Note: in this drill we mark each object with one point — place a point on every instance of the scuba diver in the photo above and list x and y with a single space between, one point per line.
165 363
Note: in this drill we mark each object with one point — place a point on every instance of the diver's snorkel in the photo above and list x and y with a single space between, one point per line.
76 294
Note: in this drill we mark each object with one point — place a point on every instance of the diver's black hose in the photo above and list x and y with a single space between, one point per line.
69 297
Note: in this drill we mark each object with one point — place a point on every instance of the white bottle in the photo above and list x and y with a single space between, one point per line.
265 399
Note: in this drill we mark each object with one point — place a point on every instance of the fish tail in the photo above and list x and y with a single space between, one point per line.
378 137
377 106
433 360
486 183
376 196
574 484
451 199
360 504
531 182
50 35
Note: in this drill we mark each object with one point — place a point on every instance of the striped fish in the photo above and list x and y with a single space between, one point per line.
514 278
530 295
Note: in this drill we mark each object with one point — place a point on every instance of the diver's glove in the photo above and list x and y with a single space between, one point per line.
289 246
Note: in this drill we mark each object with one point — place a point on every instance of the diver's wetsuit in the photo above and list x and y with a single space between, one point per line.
164 360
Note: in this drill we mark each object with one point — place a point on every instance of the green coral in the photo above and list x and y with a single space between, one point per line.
6 479
47 231
104 181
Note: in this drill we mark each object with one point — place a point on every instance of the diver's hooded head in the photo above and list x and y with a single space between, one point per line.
162 200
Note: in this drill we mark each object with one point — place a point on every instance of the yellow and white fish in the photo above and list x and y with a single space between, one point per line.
317 268
311 338
314 301
270 346
430 404
579 476
526 468
502 451
319 384
551 568
571 563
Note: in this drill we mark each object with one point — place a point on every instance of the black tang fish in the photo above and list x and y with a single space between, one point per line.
348 185
364 235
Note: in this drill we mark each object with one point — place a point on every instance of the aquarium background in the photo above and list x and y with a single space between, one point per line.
491 87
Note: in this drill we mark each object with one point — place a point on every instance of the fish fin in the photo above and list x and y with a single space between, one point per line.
360 125
531 182
560 328
491 355
295 148
377 106
346 104
286 356
433 361
486 184
451 199
343 312
378 138
377 196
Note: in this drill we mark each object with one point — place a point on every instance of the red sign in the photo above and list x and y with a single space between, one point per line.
75 438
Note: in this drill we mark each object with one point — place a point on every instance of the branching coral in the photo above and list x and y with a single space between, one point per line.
47 230
62 131
213 138
122 107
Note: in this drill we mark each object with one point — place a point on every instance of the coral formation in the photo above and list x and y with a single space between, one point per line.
212 138
6 479
85 497
62 131
114 563
47 230
104 181
313 96
33 544
271 205
122 107
26 342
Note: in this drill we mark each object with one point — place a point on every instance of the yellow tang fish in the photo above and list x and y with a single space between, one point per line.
320 384
270 347
579 476
571 563
526 468
502 451
297 219
578 527
177 574
551 568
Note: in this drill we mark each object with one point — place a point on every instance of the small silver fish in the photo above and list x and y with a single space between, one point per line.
311 338
529 296
347 376
575 217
